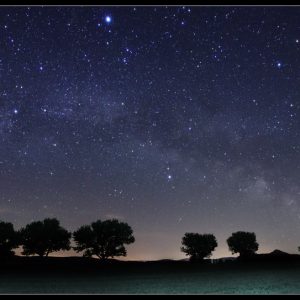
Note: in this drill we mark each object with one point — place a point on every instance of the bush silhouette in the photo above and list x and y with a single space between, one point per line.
243 243
198 246
9 239
103 238
44 237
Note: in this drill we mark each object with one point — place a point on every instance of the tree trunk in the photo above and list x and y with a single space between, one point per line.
102 258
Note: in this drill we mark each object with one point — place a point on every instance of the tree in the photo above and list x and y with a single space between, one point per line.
9 239
198 246
243 243
103 238
44 237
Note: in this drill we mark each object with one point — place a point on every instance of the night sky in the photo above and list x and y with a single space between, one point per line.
173 119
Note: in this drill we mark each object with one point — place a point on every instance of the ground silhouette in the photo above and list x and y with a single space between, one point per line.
88 265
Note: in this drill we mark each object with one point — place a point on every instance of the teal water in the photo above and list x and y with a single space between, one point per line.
225 282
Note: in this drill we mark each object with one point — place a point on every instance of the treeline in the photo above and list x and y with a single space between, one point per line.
106 239
103 239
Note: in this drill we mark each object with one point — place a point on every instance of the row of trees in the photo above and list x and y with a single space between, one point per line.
106 239
199 246
103 239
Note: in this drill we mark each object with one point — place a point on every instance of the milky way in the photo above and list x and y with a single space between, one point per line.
173 119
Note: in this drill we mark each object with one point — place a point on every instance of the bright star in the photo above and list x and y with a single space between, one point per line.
169 176
15 111
108 19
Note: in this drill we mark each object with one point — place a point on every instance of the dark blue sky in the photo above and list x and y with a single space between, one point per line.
173 119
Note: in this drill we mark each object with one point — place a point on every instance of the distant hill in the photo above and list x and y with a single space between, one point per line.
75 264
274 256
277 255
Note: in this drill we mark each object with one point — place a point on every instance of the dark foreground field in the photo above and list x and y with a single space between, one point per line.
76 275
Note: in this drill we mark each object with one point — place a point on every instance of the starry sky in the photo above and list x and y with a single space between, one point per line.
174 119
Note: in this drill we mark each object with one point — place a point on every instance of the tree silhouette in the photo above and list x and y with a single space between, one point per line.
103 238
198 246
9 239
243 243
44 237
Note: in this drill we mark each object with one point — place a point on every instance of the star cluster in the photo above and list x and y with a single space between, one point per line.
173 119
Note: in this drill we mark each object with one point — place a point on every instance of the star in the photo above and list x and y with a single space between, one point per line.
108 19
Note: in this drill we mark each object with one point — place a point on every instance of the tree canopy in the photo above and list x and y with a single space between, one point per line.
243 243
44 237
198 246
103 238
9 239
